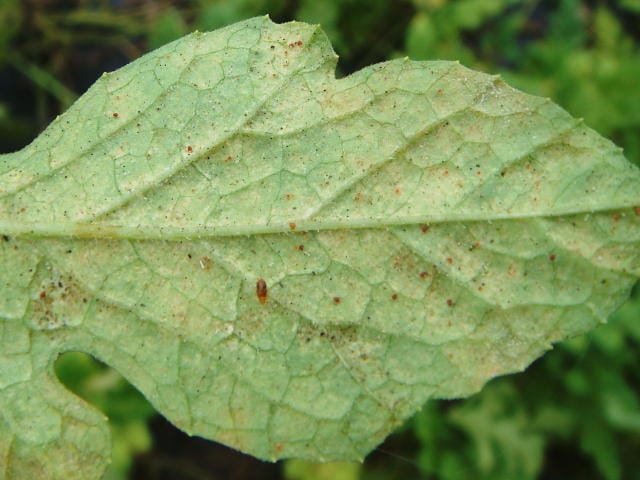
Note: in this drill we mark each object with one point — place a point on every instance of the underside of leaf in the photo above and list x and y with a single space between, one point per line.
292 264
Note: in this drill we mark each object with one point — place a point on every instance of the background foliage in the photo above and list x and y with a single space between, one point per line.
574 414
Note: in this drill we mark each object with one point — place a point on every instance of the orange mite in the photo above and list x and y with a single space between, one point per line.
261 291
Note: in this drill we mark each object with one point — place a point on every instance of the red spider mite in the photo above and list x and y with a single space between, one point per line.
261 291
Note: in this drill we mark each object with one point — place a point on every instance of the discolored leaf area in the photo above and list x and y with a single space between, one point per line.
292 264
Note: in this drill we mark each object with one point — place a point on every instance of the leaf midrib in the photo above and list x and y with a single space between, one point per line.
96 230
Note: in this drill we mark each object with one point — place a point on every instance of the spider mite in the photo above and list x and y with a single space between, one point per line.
261 291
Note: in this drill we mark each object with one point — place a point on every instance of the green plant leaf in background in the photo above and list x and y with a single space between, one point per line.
419 228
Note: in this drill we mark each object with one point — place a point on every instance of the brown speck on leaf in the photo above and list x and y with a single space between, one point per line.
424 228
357 196
205 263
394 296
616 217
43 294
261 291
423 274
449 260
115 115
552 257
288 196
336 299
637 210
278 447
189 149
228 159
449 302
300 247
439 91
292 226
398 191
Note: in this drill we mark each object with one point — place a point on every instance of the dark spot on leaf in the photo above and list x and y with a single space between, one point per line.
449 260
336 299
424 228
189 149
394 296
292 226
5 238
423 274
115 115
449 302
552 257
43 294
300 247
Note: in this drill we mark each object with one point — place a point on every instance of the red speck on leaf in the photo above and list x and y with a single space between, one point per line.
394 296
424 228
439 91
261 291
43 294
292 226
616 217
637 210
398 191
278 447
446 172
423 274
300 247
189 149
289 196
336 299
449 260
449 302
552 257
115 115
228 159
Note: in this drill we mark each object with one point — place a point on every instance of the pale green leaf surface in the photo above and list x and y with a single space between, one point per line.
421 228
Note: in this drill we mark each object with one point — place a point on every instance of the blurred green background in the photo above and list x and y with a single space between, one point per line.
573 414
